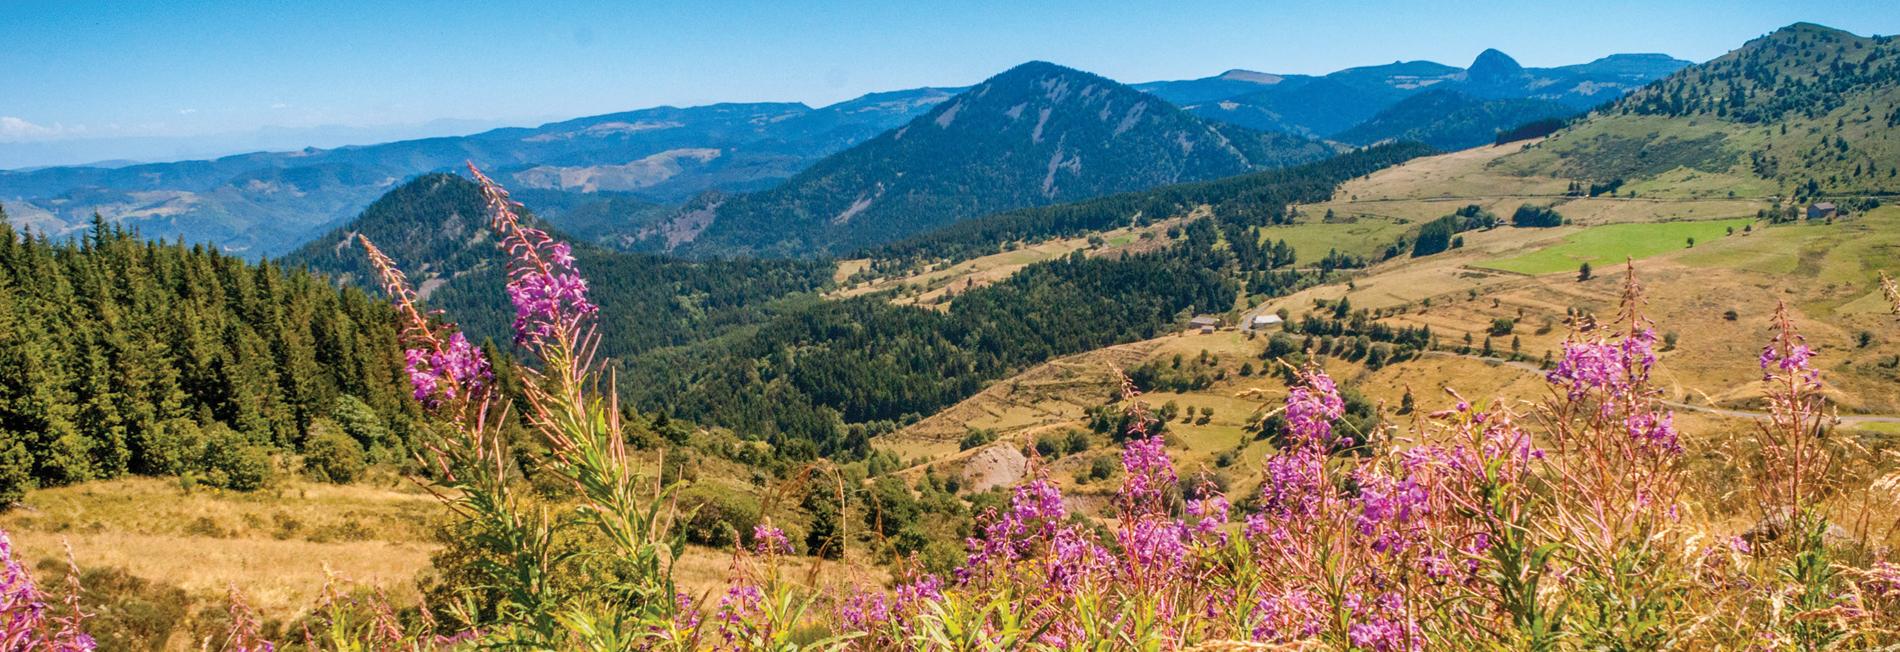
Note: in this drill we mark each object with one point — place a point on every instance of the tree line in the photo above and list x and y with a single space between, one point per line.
121 356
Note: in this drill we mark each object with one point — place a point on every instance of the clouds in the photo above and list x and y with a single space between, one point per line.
18 130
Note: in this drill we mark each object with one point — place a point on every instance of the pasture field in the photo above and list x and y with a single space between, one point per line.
1612 243
1461 174
1365 236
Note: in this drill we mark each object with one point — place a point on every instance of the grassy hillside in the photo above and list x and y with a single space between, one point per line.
1803 112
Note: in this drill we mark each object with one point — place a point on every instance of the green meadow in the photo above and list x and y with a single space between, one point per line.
1613 243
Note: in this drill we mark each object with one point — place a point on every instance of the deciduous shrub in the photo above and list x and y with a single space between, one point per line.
333 456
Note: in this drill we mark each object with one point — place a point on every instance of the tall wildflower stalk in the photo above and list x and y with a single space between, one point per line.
1616 468
1795 480
26 623
575 414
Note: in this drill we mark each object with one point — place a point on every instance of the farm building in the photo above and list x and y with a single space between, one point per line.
1262 321
1821 210
1204 323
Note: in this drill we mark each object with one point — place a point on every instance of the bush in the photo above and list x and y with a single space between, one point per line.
231 461
891 507
174 446
1434 237
1078 441
1103 467
331 455
976 437
717 518
1503 326
361 423
1049 445
69 457
1536 216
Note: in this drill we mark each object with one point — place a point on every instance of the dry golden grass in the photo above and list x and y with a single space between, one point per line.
278 546
849 268
1466 173
934 286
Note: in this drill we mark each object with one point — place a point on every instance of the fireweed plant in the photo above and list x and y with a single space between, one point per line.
1490 525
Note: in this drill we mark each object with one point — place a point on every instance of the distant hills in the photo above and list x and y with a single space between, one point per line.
267 203
1450 120
1034 135
1328 105
620 178
1805 111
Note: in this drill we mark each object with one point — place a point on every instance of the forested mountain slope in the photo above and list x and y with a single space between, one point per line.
1034 135
435 229
1252 199
1450 120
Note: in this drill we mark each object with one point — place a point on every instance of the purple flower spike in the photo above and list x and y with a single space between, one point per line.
1311 407
768 540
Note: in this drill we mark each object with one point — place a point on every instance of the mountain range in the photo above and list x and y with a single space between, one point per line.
267 203
619 178
1324 106
1036 134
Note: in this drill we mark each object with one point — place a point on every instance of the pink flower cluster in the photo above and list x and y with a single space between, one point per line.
1605 367
442 366
546 301
1613 375
1035 514
1312 406
768 540
739 613
458 362
1788 354
548 292
1147 473
24 624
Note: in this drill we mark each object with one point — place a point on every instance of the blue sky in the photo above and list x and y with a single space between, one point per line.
210 75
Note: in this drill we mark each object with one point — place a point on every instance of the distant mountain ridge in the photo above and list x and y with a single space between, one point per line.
1325 106
1448 120
613 171
267 203
1036 134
